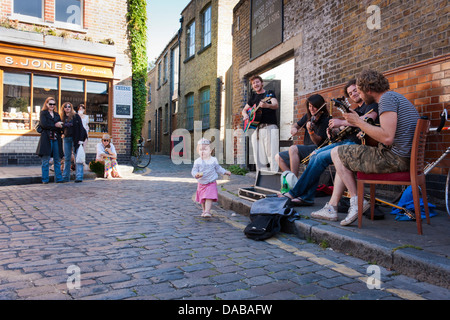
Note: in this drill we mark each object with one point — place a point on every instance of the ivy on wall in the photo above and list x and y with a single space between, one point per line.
137 33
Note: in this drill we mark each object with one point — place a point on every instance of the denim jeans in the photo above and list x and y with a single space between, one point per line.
309 180
56 163
68 147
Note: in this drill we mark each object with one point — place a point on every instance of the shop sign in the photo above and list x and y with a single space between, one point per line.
123 102
54 66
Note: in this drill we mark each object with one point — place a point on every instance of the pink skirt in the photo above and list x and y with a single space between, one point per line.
206 191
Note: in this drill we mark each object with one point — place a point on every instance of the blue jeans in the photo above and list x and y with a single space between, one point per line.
56 163
308 182
68 146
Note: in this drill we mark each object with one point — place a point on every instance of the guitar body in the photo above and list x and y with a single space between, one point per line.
254 116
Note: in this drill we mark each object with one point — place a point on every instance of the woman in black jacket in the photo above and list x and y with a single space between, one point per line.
74 136
50 143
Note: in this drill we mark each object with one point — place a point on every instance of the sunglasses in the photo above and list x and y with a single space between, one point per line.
52 104
105 140
66 106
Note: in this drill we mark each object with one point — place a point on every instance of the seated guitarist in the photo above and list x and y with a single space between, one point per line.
303 194
265 139
315 121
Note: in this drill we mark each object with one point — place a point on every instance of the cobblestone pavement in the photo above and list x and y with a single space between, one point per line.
142 237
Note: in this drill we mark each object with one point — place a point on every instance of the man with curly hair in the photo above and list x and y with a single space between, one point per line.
398 119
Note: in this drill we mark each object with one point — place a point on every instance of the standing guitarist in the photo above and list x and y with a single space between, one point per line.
265 139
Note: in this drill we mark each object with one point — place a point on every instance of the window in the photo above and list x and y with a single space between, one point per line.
32 8
159 74
44 87
190 111
149 96
97 106
23 102
206 27
166 67
204 107
72 90
174 71
149 129
68 11
190 41
16 102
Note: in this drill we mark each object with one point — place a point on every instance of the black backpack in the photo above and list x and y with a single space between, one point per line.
266 216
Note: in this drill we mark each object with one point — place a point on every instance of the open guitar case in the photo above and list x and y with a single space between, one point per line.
266 184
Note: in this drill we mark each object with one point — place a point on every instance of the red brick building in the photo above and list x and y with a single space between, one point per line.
74 50
309 47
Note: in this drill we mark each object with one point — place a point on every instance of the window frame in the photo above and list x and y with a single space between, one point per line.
206 31
205 105
66 25
190 40
190 114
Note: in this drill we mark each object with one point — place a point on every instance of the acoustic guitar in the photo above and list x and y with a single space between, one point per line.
255 115
344 106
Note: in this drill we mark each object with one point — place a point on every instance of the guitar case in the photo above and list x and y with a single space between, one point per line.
267 184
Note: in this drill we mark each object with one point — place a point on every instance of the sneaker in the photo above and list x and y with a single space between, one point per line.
326 213
353 211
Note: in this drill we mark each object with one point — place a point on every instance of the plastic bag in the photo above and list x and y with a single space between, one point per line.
81 155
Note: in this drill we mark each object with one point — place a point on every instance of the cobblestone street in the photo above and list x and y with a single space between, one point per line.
142 237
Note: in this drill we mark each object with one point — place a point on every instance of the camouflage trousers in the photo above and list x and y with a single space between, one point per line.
367 159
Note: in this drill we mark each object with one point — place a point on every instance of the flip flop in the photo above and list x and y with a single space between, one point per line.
206 214
298 202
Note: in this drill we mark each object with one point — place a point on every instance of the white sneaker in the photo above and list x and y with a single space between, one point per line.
326 213
353 211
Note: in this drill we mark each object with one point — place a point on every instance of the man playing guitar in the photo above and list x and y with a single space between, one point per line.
265 139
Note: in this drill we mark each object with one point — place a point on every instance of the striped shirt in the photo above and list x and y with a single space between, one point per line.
407 117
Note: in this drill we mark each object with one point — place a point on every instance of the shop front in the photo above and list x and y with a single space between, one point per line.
28 75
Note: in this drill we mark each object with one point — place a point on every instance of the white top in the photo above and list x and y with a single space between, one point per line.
210 169
101 149
85 120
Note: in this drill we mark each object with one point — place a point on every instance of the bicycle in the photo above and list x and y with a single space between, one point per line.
430 166
141 158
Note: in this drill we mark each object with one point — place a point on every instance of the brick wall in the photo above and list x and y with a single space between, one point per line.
411 48
102 20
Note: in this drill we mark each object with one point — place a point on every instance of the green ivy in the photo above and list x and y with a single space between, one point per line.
137 33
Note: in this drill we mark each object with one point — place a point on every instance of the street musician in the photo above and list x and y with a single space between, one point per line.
303 194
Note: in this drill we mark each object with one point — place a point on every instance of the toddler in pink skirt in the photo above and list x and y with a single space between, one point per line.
206 170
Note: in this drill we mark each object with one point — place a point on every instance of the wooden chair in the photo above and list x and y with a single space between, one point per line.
415 178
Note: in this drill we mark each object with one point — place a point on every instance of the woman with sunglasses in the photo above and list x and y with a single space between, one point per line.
106 153
50 144
74 136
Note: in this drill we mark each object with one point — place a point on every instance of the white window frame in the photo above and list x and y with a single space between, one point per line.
206 27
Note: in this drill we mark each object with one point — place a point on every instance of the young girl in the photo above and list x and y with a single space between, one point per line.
206 170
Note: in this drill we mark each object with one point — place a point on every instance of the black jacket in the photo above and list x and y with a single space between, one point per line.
79 132
48 124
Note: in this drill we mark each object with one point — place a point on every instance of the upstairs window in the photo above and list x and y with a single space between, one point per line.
31 8
206 27
68 12
190 41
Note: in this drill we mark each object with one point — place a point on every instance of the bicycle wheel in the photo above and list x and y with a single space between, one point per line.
141 158
447 193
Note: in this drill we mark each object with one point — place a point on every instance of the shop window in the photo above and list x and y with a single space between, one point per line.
44 87
24 95
72 90
68 11
97 106
31 8
204 107
17 112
